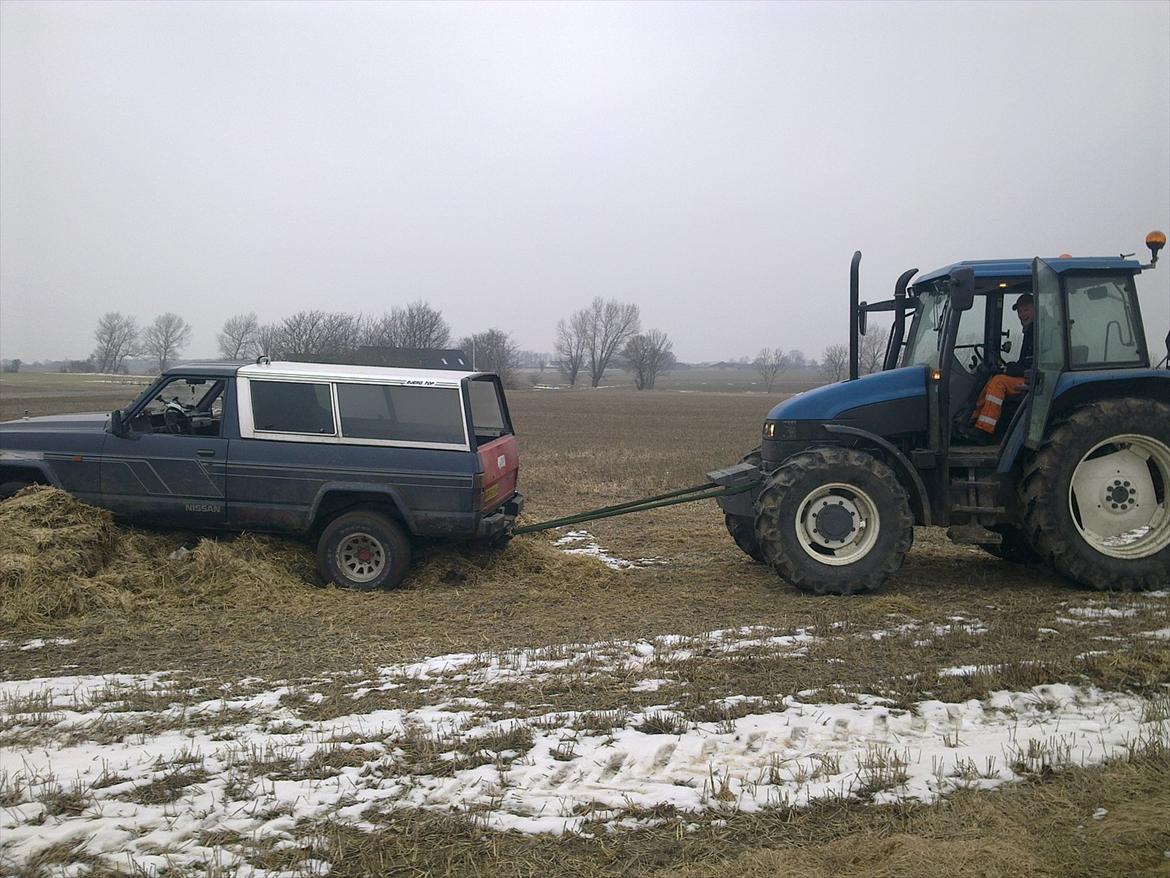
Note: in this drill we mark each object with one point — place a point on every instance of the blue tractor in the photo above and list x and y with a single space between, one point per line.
1070 468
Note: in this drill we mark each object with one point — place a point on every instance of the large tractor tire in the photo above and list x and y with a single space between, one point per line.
743 527
1015 546
834 521
1097 496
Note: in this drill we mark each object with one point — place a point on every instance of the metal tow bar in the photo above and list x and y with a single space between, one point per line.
705 491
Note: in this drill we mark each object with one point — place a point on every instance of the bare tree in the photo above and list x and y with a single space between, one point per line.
768 362
796 360
609 325
572 337
835 362
423 327
117 339
237 339
268 341
492 351
871 352
312 336
416 325
165 338
647 355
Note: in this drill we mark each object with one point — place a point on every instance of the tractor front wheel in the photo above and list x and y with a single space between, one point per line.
834 521
1096 496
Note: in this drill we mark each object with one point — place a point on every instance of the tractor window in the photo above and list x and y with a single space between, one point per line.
1102 329
969 348
922 348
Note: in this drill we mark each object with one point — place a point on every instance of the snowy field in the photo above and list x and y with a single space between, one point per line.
156 771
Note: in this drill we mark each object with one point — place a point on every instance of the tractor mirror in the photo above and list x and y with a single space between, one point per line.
962 289
862 319
117 426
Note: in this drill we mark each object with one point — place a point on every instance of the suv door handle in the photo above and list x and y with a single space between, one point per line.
205 452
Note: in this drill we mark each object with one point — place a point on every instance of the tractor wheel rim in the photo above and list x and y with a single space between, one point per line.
837 524
1118 496
361 557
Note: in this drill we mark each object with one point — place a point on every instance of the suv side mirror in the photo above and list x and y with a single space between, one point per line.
962 289
117 426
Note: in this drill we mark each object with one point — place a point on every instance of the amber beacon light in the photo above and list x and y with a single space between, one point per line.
1155 241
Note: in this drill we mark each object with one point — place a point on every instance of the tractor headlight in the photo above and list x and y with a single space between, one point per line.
779 429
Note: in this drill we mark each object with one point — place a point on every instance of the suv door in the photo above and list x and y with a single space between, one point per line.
168 467
1048 356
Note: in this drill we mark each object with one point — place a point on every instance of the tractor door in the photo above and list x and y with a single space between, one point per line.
1048 348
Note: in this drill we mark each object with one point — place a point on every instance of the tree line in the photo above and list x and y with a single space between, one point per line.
607 333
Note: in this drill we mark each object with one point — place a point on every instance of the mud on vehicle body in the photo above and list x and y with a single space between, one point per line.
359 459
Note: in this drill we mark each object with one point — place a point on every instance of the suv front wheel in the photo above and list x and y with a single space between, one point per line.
363 550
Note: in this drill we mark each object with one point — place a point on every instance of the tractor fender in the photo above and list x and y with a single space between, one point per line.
919 498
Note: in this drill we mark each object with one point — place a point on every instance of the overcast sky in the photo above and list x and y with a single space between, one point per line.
717 164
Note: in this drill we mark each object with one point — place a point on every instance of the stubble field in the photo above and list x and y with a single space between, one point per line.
538 712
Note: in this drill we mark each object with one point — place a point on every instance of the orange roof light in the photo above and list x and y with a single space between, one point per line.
1065 256
1155 240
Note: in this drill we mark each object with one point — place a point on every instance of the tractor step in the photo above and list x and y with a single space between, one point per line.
973 535
980 510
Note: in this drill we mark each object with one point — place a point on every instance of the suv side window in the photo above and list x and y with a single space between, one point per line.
185 406
401 413
292 407
1102 330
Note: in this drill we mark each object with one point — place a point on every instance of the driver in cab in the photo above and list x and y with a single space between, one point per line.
1011 382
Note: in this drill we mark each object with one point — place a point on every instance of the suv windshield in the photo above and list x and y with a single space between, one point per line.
923 346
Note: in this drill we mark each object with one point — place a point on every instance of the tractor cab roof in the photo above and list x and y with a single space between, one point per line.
986 269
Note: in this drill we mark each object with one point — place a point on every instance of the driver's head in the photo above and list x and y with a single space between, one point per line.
1025 309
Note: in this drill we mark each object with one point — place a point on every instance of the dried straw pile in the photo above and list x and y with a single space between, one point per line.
51 547
62 560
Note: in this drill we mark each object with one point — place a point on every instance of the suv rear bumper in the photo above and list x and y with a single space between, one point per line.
502 519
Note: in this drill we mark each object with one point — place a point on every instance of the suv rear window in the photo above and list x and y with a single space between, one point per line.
292 407
487 415
403 413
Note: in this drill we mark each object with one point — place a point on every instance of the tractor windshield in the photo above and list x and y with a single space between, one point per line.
925 342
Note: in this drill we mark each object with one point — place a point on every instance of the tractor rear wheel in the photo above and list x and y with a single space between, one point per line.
743 527
834 521
1015 546
1096 496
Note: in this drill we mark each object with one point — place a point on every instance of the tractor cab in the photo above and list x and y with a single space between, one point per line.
1016 406
1051 317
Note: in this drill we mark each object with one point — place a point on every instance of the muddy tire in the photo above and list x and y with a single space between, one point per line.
1096 496
743 527
834 521
1015 546
363 550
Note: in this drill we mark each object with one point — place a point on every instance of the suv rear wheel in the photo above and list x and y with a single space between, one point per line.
363 550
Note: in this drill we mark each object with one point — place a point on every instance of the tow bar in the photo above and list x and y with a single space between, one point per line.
723 483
